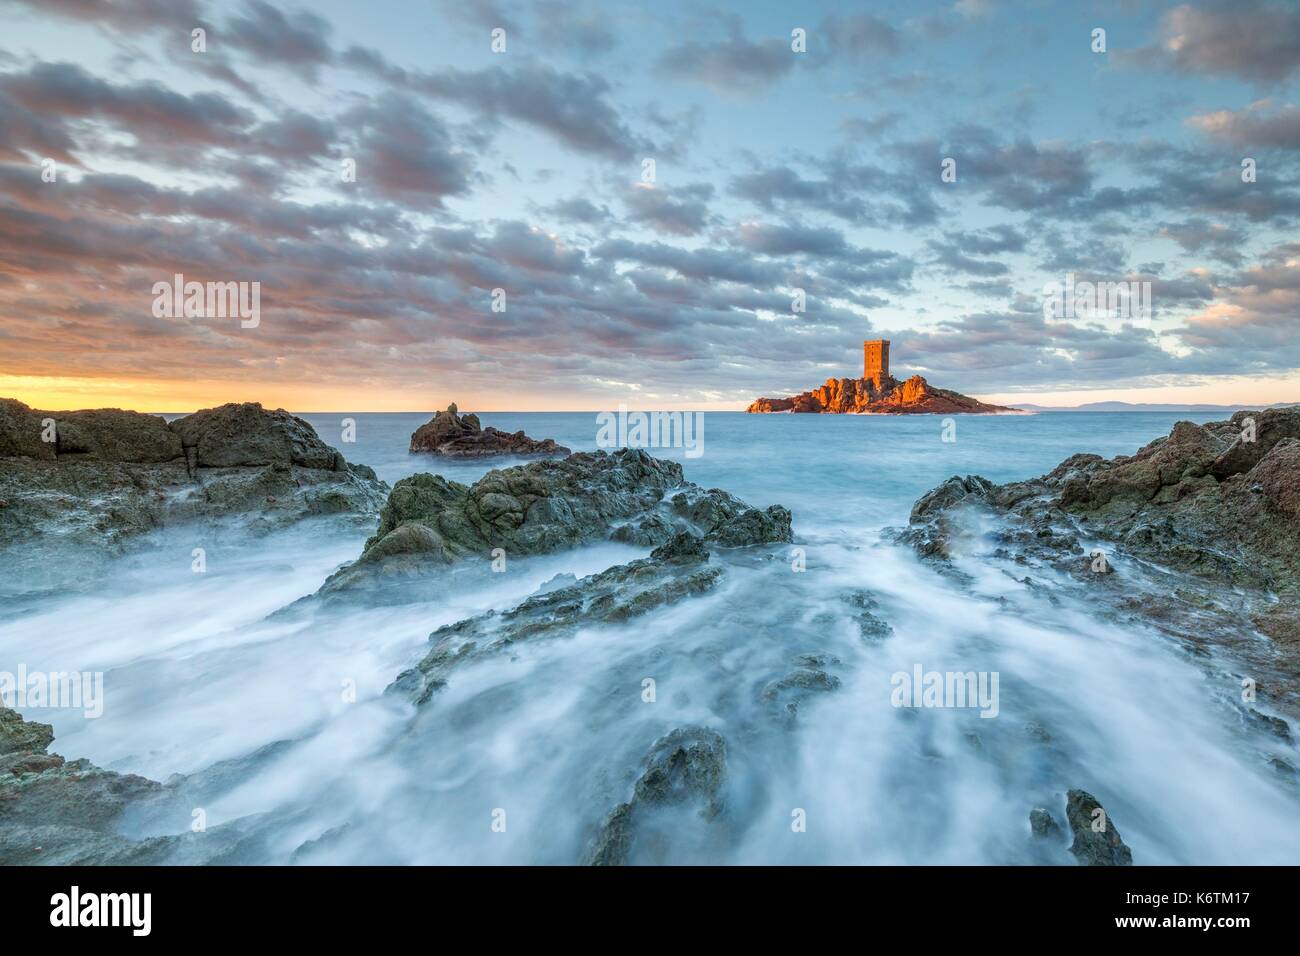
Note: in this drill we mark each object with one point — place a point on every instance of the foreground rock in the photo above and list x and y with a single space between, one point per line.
431 523
684 770
461 436
89 482
1042 824
1202 500
675 809
1096 840
674 571
1197 533
887 396
54 811
59 812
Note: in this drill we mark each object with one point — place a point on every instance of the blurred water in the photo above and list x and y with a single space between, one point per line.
553 732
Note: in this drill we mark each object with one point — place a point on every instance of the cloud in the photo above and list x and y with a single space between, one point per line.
795 239
1095 254
579 209
149 110
586 32
1254 126
121 14
735 66
680 212
1254 40
1216 240
482 15
856 192
571 107
25 135
952 257
860 36
987 242
299 42
702 264
405 153
1251 325
1032 352
860 127
296 137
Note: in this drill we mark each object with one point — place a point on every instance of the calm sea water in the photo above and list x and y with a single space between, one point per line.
846 472
198 670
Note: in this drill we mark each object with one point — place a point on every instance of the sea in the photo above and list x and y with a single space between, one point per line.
524 755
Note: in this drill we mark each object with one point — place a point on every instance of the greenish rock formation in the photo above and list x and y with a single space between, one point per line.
673 572
685 769
1096 840
430 522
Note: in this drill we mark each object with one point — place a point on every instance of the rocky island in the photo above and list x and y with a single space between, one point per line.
461 436
879 393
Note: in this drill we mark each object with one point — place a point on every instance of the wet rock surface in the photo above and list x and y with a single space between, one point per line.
683 770
809 677
430 523
54 811
673 572
107 477
59 812
1042 824
1197 534
1096 840
453 435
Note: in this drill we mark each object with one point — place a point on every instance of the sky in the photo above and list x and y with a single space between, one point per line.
554 205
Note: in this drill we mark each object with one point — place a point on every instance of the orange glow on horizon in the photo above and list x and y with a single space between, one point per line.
169 395
180 396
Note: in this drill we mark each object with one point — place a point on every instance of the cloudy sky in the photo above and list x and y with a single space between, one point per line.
526 170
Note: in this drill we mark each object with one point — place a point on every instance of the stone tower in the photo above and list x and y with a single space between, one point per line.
875 360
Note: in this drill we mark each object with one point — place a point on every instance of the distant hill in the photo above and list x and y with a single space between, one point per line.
1145 407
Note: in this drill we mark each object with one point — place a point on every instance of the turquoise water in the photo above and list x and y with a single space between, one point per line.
199 670
847 472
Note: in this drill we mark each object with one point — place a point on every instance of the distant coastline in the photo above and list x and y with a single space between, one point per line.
1190 407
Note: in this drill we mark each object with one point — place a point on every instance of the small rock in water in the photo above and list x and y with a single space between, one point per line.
1042 823
1096 840
461 436
788 692
685 768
